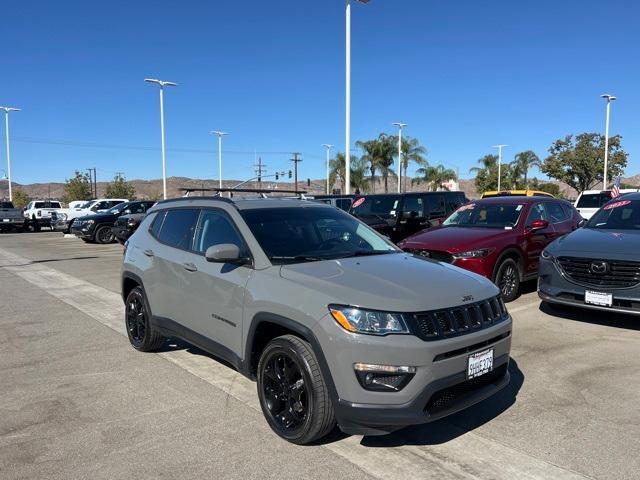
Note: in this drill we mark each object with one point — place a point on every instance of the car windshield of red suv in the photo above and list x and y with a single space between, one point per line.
486 215
618 215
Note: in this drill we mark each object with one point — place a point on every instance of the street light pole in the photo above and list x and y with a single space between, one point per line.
220 134
347 128
6 126
162 84
609 99
328 147
400 126
499 147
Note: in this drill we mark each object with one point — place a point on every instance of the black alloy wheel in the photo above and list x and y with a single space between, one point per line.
104 235
141 333
292 391
285 392
508 280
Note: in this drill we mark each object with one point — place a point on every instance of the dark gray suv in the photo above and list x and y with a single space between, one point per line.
334 322
597 266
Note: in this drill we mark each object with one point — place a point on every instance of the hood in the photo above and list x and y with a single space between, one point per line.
453 239
393 282
594 242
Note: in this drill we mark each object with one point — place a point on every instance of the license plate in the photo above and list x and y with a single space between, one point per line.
479 363
598 298
6 220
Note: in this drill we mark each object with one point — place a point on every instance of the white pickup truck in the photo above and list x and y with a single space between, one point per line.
38 213
62 219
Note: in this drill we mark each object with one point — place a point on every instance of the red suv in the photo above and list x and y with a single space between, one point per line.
499 238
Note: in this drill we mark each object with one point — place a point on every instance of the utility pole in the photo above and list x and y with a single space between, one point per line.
296 159
260 169
93 182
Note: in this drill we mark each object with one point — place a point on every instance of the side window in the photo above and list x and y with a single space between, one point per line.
178 227
157 224
436 206
556 213
344 204
537 212
214 228
413 203
454 201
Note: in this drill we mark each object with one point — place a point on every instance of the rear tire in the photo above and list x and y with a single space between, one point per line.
142 335
507 279
293 394
104 235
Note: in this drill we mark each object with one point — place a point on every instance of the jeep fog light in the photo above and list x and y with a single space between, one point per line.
383 378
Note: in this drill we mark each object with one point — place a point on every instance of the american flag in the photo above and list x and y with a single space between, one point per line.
615 191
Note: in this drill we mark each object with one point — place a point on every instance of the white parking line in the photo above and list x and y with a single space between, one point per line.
468 456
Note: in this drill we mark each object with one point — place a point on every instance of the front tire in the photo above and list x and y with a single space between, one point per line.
293 394
142 335
104 235
507 279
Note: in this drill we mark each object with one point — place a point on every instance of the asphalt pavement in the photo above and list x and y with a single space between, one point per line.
78 402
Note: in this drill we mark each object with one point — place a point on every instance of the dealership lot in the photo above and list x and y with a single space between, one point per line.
78 401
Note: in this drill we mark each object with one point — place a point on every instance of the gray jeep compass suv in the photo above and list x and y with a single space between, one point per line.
335 323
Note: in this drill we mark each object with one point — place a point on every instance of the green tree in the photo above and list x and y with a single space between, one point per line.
359 170
77 188
359 180
378 153
20 198
412 152
522 163
549 187
578 161
487 174
434 177
120 188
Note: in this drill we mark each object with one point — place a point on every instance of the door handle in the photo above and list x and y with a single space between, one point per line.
148 253
190 267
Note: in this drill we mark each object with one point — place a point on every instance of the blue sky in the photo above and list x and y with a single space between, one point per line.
464 75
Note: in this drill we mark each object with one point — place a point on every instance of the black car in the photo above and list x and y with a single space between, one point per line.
98 227
125 225
343 202
400 215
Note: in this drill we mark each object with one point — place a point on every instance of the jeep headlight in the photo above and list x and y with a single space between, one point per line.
372 322
480 253
89 222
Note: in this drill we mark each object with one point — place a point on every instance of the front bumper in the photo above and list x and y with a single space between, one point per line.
439 399
122 233
82 231
439 364
554 287
60 225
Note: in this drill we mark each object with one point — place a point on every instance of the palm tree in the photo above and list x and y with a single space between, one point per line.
412 151
358 172
359 180
522 163
434 177
370 156
378 153
336 170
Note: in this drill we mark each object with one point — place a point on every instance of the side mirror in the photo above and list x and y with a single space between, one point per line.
538 225
225 253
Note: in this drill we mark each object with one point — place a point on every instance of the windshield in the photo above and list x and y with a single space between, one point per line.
487 215
292 235
618 215
383 206
593 200
118 208
47 205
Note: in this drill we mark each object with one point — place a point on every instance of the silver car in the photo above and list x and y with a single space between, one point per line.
334 322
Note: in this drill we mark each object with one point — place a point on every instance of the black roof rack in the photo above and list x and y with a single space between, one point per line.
188 190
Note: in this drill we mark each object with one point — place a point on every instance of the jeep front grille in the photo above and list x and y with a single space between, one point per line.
451 322
616 274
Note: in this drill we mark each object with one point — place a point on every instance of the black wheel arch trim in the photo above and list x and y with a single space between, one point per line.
304 332
507 253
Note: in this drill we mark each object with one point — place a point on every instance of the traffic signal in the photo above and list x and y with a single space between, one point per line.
308 182
277 176
289 173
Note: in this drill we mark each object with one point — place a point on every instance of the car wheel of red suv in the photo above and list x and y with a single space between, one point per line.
507 278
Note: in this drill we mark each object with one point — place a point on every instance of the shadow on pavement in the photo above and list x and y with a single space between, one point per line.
453 426
596 317
49 260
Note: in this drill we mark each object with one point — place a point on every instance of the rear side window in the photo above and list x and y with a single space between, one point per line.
344 204
556 213
178 227
436 205
593 200
157 224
